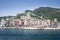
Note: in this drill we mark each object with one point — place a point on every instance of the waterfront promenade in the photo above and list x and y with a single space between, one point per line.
30 28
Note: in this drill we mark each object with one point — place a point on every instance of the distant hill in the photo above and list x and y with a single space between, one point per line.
46 12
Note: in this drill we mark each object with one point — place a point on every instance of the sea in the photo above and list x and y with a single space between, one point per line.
31 34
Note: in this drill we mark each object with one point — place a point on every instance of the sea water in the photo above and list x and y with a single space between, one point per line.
32 34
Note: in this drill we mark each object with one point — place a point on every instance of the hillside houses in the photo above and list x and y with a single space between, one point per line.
26 21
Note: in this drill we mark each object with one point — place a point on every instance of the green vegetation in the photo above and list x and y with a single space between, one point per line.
48 12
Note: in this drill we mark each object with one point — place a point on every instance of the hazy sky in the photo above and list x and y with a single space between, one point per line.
12 7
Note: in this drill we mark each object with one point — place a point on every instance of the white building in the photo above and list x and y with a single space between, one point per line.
3 22
26 17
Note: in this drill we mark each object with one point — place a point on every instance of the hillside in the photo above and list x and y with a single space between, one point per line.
46 12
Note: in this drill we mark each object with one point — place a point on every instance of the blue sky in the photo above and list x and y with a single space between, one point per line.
12 7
